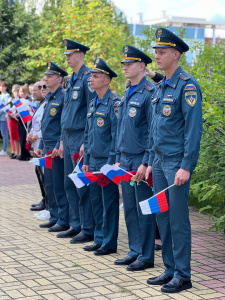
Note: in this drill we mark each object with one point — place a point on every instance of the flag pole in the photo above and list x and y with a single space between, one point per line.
77 164
165 189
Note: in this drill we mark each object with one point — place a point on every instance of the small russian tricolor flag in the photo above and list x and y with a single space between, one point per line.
155 204
33 107
7 110
82 179
116 174
22 110
1 105
45 162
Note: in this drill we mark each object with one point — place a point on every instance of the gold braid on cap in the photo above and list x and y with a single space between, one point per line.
132 58
167 44
101 71
72 50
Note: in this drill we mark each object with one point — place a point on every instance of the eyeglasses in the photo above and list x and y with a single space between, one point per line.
42 87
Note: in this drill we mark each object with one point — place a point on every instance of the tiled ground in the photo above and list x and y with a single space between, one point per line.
35 265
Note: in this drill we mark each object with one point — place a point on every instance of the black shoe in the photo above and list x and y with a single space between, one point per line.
125 261
159 280
92 247
158 247
47 225
176 285
139 265
68 234
58 228
13 156
18 157
24 158
38 207
81 238
102 251
41 202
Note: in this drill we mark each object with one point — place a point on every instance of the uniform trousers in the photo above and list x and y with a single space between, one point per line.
174 224
54 185
140 228
81 215
105 206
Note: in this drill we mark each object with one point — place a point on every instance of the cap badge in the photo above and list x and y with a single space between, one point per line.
65 42
49 65
97 61
126 49
159 31
158 40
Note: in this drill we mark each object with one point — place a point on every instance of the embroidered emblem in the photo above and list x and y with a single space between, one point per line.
132 112
89 87
116 111
75 95
190 87
100 122
191 98
160 31
116 103
166 110
53 111
126 49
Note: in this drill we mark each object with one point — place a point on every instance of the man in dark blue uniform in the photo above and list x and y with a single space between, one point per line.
175 142
77 95
134 118
99 149
51 131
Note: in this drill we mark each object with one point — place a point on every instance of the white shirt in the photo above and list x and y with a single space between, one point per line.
36 125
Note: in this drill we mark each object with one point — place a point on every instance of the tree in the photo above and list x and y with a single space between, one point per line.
16 30
91 22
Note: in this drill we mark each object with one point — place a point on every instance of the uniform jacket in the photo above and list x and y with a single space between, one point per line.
177 119
134 118
50 124
100 131
77 96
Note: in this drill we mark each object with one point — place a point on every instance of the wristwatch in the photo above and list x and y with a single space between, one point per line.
145 165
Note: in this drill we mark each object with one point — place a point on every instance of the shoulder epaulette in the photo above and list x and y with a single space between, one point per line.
184 76
148 87
113 96
86 71
157 83
91 100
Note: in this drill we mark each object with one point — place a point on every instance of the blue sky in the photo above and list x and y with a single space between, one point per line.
211 10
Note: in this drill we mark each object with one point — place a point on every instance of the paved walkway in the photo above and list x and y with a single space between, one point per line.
36 265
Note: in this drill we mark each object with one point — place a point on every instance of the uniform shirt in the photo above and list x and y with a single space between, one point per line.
177 119
36 124
77 96
100 131
50 124
134 118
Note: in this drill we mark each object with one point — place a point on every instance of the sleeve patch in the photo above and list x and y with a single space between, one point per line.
191 98
189 87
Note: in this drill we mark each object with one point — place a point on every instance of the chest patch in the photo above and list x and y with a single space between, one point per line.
100 122
53 111
75 95
132 112
191 98
167 110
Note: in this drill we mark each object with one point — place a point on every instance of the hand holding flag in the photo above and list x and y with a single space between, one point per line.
116 174
22 110
43 161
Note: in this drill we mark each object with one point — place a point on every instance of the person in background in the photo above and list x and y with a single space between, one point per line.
12 122
4 97
25 99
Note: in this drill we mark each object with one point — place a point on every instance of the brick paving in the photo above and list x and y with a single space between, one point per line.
36 265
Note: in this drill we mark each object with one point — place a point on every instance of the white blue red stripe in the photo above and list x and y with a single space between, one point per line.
155 204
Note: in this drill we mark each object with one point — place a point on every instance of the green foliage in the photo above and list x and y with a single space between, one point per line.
208 184
16 31
93 23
